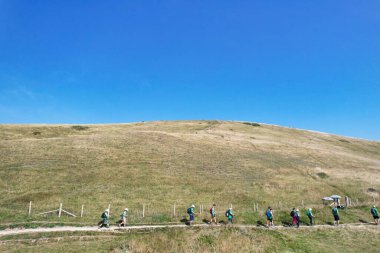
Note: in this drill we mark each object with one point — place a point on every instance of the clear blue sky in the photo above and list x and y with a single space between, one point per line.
306 64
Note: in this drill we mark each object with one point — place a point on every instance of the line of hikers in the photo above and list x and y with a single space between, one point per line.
295 214
229 214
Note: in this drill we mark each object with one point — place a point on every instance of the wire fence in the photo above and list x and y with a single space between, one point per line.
149 212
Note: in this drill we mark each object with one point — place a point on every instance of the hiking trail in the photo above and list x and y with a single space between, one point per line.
17 231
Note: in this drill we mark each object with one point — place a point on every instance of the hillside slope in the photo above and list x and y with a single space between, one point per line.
182 162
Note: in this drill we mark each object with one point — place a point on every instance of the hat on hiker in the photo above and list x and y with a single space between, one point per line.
126 209
192 205
107 210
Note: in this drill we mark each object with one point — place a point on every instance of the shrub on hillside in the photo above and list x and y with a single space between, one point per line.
252 124
80 128
372 190
322 175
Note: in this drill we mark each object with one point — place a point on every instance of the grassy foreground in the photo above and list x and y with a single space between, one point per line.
344 239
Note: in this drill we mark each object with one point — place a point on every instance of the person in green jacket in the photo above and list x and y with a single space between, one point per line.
123 218
309 214
190 212
336 215
375 215
230 215
104 222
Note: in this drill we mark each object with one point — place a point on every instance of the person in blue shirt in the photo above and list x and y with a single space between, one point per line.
269 214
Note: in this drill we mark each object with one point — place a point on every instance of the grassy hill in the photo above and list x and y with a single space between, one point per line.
159 164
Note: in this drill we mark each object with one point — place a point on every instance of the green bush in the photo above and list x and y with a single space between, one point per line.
251 124
80 128
322 175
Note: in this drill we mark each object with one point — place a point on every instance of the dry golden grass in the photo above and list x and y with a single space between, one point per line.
182 162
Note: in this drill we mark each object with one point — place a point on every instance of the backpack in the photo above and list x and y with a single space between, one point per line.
103 215
189 210
373 211
268 214
292 213
227 213
211 210
335 211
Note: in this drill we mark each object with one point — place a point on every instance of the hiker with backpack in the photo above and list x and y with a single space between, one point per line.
297 216
294 220
190 212
104 222
336 215
269 214
123 218
213 214
229 214
375 215
309 214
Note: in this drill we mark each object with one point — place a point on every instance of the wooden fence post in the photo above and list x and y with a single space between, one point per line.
60 210
30 208
81 212
109 209
174 210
